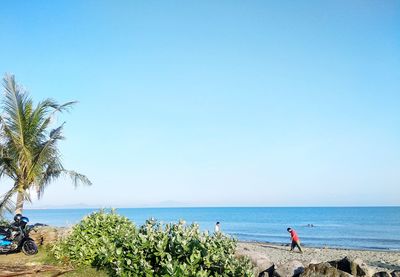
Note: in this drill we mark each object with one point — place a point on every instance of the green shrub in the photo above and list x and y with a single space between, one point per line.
111 242
93 236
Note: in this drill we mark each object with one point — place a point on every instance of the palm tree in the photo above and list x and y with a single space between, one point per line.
29 155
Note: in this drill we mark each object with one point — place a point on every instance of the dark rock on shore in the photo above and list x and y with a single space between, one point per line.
353 267
395 273
345 267
381 274
323 269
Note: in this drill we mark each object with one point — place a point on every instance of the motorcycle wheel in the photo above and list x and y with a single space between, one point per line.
29 247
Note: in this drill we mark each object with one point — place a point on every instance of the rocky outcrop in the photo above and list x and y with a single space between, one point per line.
268 272
354 267
345 267
45 235
290 268
395 273
260 262
323 269
263 265
381 274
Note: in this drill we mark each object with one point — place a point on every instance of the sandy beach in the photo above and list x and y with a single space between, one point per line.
280 254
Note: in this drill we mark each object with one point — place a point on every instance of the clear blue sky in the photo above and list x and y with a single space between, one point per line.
217 103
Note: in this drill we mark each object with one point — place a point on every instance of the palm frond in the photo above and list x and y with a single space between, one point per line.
6 202
54 172
7 168
78 178
47 151
14 105
7 133
29 151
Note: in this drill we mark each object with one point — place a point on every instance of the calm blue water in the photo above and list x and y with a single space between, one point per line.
362 228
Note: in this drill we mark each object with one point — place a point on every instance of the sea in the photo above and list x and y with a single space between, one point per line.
373 228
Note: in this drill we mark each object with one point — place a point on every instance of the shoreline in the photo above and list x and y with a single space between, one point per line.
320 247
281 244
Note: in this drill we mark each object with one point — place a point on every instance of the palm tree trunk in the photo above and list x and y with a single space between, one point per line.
20 203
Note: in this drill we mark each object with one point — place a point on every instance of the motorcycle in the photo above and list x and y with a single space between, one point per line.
15 238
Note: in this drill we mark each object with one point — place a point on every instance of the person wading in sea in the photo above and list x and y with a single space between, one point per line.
295 240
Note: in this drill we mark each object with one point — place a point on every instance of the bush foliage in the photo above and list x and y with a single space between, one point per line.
112 242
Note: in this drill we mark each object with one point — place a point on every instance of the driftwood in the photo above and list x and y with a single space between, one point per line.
10 271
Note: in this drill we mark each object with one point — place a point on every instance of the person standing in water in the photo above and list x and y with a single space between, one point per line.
295 240
217 228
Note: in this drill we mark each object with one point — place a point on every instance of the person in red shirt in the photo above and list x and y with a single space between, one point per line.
295 240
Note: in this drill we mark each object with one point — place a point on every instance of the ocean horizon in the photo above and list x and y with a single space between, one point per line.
373 228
